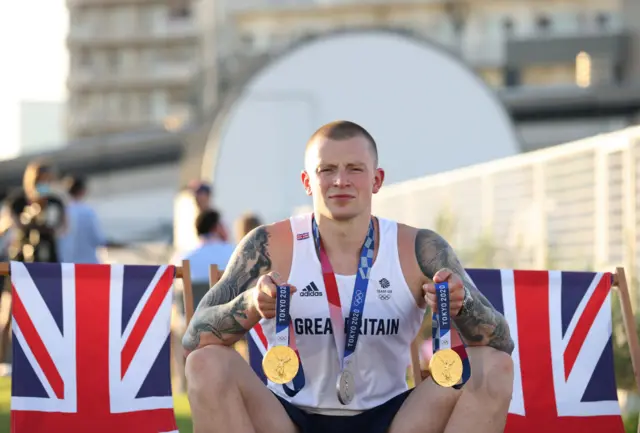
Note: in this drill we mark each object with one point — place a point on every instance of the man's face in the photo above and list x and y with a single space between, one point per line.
341 176
203 200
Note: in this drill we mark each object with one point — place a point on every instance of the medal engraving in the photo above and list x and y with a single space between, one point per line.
346 387
280 364
446 367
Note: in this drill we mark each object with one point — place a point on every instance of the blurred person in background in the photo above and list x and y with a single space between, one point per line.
84 236
203 195
245 224
31 220
6 234
38 215
213 249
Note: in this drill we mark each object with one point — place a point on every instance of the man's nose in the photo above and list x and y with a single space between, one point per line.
341 179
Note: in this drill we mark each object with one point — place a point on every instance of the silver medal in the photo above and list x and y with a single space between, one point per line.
346 387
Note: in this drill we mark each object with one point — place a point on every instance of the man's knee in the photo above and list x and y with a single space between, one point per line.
209 370
494 374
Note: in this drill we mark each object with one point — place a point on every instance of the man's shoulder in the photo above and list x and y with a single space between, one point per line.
407 236
273 232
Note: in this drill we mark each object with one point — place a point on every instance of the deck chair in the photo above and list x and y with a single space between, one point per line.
553 315
91 347
563 361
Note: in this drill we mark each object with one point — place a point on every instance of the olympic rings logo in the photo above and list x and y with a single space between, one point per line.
359 297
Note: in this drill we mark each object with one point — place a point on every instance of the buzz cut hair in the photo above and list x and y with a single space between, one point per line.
344 130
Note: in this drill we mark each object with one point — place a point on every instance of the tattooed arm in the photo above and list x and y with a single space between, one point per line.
481 324
226 312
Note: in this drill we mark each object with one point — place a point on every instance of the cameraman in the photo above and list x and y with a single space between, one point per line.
38 216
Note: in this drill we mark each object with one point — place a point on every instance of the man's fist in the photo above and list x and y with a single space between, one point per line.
265 293
456 291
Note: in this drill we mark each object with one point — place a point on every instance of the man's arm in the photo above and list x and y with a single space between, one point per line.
482 324
226 312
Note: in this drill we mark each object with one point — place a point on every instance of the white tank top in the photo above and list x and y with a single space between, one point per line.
391 321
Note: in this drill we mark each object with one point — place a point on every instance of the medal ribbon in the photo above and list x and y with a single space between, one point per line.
441 331
356 311
285 335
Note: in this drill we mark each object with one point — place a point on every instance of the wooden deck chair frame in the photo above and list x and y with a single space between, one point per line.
619 282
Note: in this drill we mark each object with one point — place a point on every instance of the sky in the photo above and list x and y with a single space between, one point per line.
34 61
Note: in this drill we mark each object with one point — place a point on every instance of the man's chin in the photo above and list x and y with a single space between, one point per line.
343 214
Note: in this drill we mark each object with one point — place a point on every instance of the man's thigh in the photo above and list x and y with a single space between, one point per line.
267 413
429 407
220 371
426 410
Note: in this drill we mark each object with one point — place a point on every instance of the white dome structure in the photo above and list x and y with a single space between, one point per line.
427 111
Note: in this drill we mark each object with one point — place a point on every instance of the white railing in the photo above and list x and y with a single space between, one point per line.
570 207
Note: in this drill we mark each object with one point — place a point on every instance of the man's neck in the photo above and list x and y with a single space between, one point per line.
343 236
210 238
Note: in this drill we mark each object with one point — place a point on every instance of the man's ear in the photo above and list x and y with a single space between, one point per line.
378 180
304 176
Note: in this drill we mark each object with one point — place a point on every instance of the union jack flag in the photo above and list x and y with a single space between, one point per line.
563 359
91 348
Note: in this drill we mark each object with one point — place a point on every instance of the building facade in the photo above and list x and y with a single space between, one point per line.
564 69
132 65
530 51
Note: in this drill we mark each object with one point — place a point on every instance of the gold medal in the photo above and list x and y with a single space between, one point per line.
446 367
280 364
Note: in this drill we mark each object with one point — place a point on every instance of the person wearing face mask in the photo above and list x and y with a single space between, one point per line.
38 216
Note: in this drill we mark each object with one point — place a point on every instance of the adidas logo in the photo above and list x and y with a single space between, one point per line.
310 290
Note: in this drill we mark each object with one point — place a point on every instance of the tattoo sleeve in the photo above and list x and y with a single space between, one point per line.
482 324
225 314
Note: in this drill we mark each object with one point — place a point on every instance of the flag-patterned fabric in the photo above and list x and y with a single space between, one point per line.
91 348
563 359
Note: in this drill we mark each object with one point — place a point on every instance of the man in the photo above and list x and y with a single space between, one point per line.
203 194
244 224
84 236
38 216
212 250
341 174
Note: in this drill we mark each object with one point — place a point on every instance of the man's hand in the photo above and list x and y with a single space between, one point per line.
265 293
480 324
225 313
456 291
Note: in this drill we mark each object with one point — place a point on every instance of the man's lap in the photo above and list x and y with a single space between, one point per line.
375 420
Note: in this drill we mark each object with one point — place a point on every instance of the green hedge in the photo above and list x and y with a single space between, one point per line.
631 423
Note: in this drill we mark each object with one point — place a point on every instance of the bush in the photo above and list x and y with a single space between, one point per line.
631 423
622 358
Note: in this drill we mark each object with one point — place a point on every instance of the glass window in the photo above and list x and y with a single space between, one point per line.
86 59
549 75
179 9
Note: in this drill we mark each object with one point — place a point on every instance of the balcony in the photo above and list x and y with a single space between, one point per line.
143 77
551 48
160 33
82 3
95 121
